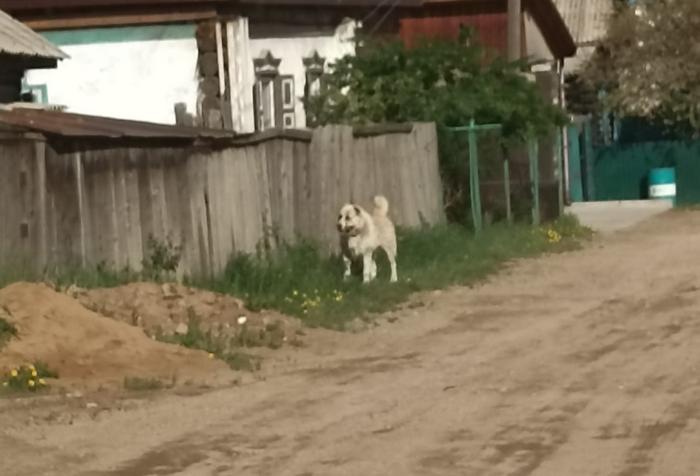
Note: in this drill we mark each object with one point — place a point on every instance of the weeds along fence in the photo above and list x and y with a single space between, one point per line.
81 201
498 180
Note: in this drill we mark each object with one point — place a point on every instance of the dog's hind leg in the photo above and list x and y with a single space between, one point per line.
348 267
374 269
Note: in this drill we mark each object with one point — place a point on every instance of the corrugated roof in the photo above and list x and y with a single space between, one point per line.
92 127
587 19
17 5
18 39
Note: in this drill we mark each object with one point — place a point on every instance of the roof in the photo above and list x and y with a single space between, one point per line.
93 127
18 39
544 12
587 19
24 5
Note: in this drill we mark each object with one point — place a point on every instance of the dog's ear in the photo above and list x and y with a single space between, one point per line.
357 210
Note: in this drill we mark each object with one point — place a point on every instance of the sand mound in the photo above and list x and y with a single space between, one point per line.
165 309
82 345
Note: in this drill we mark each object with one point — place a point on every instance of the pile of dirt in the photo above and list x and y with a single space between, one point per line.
169 309
84 346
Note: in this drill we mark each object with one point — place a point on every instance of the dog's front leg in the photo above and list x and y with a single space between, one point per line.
367 267
348 267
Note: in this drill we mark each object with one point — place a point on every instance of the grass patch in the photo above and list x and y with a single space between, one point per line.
299 281
7 331
139 384
227 348
28 378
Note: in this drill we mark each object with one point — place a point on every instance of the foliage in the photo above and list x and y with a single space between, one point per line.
299 281
225 348
449 82
140 384
162 258
28 378
7 331
648 62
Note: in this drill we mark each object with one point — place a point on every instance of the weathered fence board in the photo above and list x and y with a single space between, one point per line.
83 205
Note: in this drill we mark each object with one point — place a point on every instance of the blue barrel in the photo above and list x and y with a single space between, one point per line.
662 184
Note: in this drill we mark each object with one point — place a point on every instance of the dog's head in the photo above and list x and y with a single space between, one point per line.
350 220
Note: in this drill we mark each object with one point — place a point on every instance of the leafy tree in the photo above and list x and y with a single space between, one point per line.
449 82
648 63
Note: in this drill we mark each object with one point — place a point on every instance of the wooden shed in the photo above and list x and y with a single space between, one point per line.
21 49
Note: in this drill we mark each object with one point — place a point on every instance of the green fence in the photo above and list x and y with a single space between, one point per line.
621 171
500 182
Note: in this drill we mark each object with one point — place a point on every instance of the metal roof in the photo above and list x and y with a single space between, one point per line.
71 125
587 19
17 5
18 39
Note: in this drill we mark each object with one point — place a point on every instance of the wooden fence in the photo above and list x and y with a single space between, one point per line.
83 205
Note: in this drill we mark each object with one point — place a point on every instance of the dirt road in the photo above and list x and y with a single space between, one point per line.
586 363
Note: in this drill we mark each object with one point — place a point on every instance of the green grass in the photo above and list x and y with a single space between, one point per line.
298 281
228 348
7 332
27 378
139 384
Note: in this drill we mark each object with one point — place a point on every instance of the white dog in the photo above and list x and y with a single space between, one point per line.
361 233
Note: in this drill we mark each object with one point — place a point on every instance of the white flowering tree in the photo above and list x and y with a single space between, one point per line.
649 64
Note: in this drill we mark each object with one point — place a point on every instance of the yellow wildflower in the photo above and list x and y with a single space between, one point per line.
295 292
42 381
34 373
14 372
31 383
31 367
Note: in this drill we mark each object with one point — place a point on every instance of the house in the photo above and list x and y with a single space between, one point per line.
21 50
244 65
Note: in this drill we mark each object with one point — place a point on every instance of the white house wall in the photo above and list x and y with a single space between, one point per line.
134 73
292 50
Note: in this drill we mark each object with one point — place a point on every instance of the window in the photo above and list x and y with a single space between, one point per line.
314 65
273 94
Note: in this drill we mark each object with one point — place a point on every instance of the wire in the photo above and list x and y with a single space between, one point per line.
384 17
374 10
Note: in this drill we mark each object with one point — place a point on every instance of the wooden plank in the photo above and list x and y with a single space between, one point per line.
301 159
285 185
39 152
129 184
183 14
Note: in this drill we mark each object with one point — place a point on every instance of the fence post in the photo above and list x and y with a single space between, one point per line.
506 187
588 160
533 152
474 189
559 154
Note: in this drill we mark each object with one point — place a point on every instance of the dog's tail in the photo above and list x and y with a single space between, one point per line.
381 205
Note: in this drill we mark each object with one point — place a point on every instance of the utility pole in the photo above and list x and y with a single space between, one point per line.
514 29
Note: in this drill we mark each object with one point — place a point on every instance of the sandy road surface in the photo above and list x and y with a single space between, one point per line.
580 364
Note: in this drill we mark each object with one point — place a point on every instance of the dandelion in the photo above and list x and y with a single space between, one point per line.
14 372
34 373
31 383
42 381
